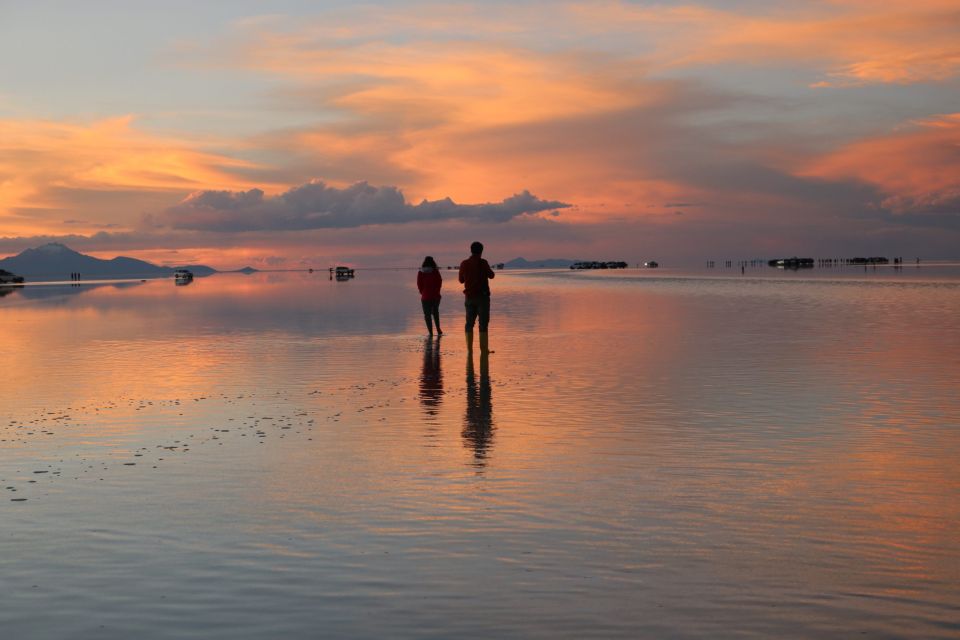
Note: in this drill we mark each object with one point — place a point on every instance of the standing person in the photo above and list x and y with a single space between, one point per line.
475 274
429 282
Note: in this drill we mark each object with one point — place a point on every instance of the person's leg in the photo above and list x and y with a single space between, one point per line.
470 304
471 307
483 311
435 309
425 304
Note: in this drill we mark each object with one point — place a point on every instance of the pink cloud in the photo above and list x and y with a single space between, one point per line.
917 169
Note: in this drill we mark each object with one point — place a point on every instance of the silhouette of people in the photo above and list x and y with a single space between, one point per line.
475 275
429 282
431 378
478 422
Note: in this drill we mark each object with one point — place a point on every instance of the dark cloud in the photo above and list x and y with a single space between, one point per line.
316 205
688 240
87 223
947 221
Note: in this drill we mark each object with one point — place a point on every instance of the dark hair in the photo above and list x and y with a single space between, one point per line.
476 248
429 262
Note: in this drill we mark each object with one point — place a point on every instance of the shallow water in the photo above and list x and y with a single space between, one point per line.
644 454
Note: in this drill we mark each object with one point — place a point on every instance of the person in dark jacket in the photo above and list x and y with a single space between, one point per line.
429 282
475 274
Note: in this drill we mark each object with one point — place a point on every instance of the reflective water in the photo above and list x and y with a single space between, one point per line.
643 455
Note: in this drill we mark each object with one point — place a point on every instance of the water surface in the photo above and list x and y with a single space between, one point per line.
644 454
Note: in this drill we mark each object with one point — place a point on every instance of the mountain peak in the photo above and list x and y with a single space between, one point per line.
55 260
549 263
54 247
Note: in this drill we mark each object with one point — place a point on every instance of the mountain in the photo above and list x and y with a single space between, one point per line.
198 270
550 263
55 261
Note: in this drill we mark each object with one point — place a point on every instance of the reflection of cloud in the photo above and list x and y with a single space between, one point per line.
317 206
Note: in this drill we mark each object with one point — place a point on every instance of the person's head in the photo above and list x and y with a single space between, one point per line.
476 249
429 262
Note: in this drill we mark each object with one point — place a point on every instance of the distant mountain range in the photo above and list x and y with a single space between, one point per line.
55 261
550 263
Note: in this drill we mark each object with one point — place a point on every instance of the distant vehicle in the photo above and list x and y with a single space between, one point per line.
598 265
792 263
651 264
182 276
9 278
341 273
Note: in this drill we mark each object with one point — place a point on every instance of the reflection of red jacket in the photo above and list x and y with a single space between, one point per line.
429 283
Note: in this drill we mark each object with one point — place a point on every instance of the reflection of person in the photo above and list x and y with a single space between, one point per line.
475 274
429 282
478 422
431 377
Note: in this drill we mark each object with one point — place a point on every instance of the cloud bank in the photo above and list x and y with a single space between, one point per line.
316 205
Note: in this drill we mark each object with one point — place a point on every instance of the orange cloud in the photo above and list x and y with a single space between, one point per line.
615 107
917 169
418 114
846 42
413 97
98 175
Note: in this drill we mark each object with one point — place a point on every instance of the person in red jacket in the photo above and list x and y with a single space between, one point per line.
475 274
429 282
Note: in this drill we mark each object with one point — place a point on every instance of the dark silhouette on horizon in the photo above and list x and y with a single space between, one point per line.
53 260
475 275
429 283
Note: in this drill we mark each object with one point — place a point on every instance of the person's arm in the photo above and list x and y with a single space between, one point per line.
490 273
460 275
420 281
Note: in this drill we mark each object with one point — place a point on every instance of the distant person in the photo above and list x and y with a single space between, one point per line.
429 282
475 274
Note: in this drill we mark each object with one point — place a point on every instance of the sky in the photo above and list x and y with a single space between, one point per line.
292 134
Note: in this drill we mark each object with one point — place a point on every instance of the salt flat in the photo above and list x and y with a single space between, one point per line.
665 454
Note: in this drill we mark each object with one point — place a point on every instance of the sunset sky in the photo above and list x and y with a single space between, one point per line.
290 134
